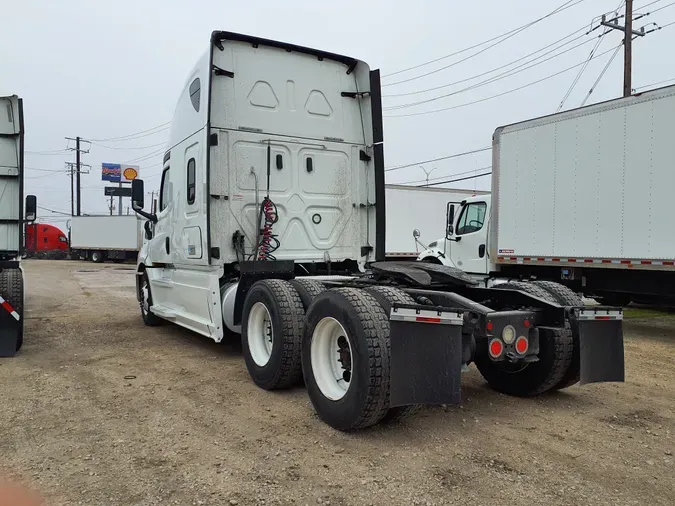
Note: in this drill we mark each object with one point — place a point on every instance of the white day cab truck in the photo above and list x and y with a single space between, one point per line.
101 238
411 208
582 198
271 224
12 224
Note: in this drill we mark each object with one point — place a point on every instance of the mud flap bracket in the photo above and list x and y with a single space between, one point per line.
600 344
425 355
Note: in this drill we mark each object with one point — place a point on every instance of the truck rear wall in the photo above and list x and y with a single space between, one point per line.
409 208
105 232
10 175
591 183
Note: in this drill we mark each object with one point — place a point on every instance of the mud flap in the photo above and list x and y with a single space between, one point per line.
9 334
425 355
600 344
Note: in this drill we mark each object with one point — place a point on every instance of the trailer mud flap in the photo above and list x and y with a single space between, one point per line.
9 334
600 345
426 355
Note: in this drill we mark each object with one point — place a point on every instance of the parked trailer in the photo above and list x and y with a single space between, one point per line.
271 224
12 221
581 198
101 238
411 208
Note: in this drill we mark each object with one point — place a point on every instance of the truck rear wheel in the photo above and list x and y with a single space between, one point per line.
273 323
308 289
97 257
345 358
567 297
11 288
386 296
534 378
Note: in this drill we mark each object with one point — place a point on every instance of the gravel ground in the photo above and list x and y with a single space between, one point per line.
98 409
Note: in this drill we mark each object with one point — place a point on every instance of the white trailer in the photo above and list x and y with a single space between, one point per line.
583 197
12 224
101 238
271 225
411 208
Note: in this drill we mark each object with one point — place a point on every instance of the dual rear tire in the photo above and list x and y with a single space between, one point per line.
337 339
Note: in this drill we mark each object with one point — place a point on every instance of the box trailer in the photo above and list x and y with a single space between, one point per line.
12 224
101 238
411 208
271 225
582 197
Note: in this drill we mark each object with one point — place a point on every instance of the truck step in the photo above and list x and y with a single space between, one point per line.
163 312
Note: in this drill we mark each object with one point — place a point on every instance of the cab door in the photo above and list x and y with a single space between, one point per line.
469 251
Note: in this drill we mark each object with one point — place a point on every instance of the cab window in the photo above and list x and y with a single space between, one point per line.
164 191
62 238
472 218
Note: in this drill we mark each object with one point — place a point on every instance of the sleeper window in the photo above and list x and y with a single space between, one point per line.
164 195
191 184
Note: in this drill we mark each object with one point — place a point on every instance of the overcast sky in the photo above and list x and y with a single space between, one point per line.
108 69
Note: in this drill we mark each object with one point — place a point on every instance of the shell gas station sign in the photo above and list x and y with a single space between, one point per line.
119 172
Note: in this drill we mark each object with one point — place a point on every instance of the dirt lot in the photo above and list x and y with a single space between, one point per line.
99 409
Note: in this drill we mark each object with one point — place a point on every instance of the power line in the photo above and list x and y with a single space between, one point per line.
590 92
517 70
456 180
446 176
503 36
65 213
124 149
130 136
654 84
498 94
497 68
48 153
146 157
581 70
456 155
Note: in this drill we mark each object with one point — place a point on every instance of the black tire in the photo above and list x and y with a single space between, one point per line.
149 318
555 355
530 288
11 288
564 296
366 324
556 350
284 308
308 289
97 257
567 297
386 296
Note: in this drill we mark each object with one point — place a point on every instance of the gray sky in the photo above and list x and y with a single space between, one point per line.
108 69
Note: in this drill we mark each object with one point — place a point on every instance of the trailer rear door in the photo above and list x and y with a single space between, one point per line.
11 176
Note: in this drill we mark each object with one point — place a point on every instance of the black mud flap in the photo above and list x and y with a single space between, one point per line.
600 344
9 334
426 355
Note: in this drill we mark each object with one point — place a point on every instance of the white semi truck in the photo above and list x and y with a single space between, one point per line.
411 208
271 224
582 198
12 224
101 238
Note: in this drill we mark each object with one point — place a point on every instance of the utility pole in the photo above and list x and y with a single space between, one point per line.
628 31
78 170
72 193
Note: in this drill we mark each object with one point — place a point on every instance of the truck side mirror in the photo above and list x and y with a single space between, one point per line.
137 194
450 229
31 208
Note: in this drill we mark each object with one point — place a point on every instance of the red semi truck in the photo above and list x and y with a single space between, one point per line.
45 241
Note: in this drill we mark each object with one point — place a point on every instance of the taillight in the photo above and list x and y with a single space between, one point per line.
509 334
489 326
496 348
522 345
